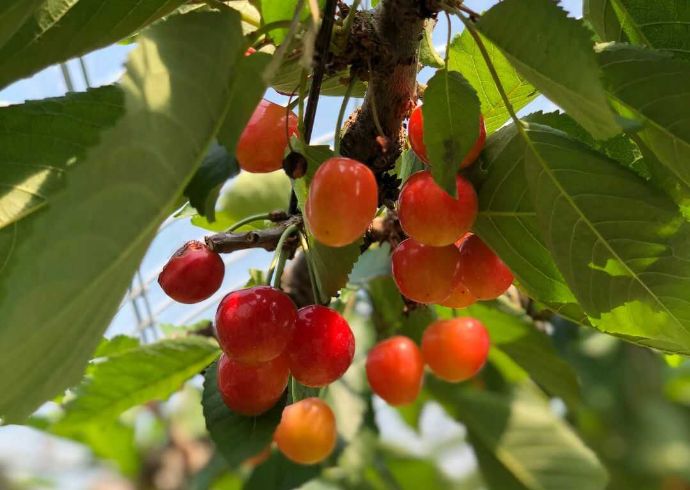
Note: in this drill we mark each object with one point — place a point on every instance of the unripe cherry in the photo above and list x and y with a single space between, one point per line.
482 271
255 324
342 201
415 132
425 274
455 349
322 346
395 370
262 144
306 433
251 389
192 274
430 215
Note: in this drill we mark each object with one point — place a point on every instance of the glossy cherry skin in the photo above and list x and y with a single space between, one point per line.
455 349
262 144
425 274
192 274
430 215
395 370
255 324
251 389
482 271
306 433
460 297
342 201
415 132
322 346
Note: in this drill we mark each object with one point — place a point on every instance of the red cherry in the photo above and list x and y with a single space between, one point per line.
255 324
395 370
306 433
342 201
430 215
322 346
192 274
455 349
250 51
415 132
425 274
460 297
482 271
251 389
262 144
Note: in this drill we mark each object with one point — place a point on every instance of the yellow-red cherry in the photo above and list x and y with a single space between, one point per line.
432 216
322 346
455 349
255 324
415 132
423 273
262 144
252 389
307 432
482 271
192 274
395 370
342 201
460 297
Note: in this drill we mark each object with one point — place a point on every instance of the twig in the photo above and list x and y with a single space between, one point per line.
267 239
281 255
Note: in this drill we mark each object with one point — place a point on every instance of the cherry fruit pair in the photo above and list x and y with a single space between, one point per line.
455 350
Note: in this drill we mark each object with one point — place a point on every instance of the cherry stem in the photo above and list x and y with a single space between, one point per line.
249 219
341 114
281 257
254 36
312 269
279 54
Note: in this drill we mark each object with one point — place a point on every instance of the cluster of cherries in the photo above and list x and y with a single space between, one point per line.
265 338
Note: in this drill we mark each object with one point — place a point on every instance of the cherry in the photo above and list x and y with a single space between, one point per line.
255 324
262 144
322 346
251 389
395 370
460 297
415 133
425 274
192 274
250 51
342 201
306 433
430 215
482 271
455 349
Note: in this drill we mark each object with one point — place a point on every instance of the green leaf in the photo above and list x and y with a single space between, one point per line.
61 29
249 194
428 56
621 245
407 164
287 80
277 10
41 141
451 125
13 14
68 266
555 54
116 345
651 87
203 190
236 437
523 435
507 221
663 26
466 58
528 348
279 473
136 376
373 263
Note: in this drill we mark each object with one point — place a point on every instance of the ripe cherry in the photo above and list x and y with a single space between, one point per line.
251 389
425 274
192 274
482 271
455 349
306 433
342 201
255 324
430 215
395 370
415 133
262 144
250 51
322 346
460 297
